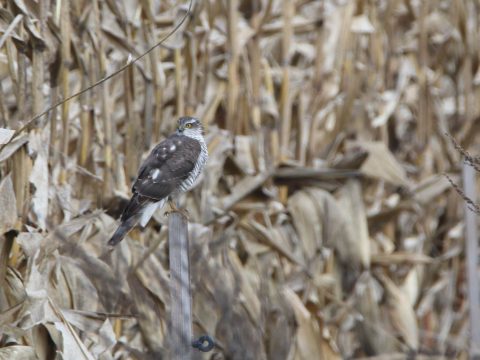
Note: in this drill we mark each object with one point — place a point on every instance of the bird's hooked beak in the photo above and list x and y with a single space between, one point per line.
180 129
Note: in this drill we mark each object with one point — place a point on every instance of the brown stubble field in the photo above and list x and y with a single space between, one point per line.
323 227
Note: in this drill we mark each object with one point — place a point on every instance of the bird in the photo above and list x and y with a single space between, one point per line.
171 168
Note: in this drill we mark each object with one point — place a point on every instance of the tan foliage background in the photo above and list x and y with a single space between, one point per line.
322 229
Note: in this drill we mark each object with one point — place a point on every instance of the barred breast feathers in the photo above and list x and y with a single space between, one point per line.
201 160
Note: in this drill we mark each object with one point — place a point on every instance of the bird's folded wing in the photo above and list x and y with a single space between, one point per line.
166 167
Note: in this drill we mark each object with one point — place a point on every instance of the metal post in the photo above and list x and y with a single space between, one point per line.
471 251
181 308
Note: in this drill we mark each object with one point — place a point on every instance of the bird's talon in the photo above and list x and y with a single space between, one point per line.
184 212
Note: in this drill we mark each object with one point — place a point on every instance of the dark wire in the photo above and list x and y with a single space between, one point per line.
108 77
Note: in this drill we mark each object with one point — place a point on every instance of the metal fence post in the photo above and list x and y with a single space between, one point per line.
471 254
181 308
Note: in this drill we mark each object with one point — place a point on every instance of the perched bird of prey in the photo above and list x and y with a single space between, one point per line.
169 170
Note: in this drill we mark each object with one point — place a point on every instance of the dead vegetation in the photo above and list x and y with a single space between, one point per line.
322 229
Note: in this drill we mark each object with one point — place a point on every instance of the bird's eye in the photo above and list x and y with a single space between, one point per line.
188 126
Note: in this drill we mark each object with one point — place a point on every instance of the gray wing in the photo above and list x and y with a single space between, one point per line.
166 167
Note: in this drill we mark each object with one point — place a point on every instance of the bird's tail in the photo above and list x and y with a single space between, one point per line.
129 218
121 232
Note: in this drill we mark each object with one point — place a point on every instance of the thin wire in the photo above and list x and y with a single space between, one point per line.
108 77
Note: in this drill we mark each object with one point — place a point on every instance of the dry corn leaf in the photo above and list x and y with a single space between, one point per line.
381 163
356 248
12 147
362 25
18 352
244 154
432 187
6 135
8 205
149 312
93 323
29 242
371 327
308 222
308 337
412 284
401 313
248 293
68 342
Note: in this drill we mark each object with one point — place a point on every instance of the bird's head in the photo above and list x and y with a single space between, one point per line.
190 127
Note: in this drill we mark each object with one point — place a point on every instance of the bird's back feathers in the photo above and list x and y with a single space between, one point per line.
168 165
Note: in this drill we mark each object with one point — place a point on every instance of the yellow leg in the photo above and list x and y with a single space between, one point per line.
173 208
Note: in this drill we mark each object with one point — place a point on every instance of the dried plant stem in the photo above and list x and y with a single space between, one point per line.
37 80
256 84
106 112
192 68
255 67
424 126
10 50
285 92
318 102
285 96
303 124
107 150
468 99
117 327
86 132
150 105
54 138
20 163
4 116
64 82
22 83
12 53
209 113
178 82
21 166
159 85
131 149
232 91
